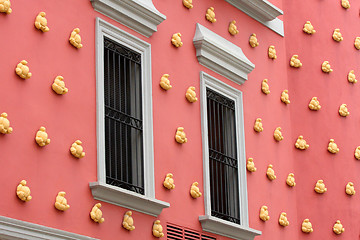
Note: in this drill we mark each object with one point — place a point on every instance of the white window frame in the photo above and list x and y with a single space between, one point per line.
14 229
208 222
143 203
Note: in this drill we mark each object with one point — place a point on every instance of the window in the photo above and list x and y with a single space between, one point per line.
124 121
225 190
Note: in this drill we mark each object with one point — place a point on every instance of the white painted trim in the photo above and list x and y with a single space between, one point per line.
227 229
127 199
139 15
221 56
13 229
262 11
105 29
207 81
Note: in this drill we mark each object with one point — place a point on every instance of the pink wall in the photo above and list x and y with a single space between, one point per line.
31 103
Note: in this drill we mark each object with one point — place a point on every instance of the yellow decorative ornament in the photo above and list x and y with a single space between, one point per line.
258 125
357 153
180 136
195 191
301 143
265 87
5 124
210 15
61 202
75 38
270 173
253 41
308 28
349 189
176 40
191 94
5 6
338 228
96 213
295 61
128 221
165 82
250 166
345 4
77 150
59 86
22 70
325 67
42 137
278 135
232 28
285 97
283 220
290 180
314 104
169 181
332 147
188 3
41 22
306 226
320 187
264 213
343 111
272 52
352 77
357 43
23 191
157 229
337 36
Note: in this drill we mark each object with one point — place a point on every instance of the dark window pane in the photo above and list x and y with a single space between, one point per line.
123 117
223 160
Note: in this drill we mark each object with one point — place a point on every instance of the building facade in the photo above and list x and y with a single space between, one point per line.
132 129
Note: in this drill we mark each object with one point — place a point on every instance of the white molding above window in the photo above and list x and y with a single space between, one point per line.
101 190
221 56
13 229
139 15
208 222
262 11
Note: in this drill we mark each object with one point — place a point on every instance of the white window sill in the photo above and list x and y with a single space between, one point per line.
227 229
13 229
127 199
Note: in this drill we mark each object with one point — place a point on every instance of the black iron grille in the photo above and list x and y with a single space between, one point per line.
223 160
123 117
175 232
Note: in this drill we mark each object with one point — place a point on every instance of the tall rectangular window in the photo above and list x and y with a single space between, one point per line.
124 161
223 162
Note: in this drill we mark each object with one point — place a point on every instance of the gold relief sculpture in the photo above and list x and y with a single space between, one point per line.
314 104
157 229
5 124
290 180
258 125
232 28
270 173
306 226
264 213
61 202
265 87
308 28
180 135
59 86
272 52
278 135
195 191
96 214
301 143
169 181
345 4
42 137
352 77
250 166
75 38
332 147
191 94
22 70
343 111
210 15
188 4
283 220
41 22
295 61
349 189
165 82
357 43
253 41
128 221
23 191
285 97
337 36
176 40
320 186
77 150
5 6
338 228
325 67
357 153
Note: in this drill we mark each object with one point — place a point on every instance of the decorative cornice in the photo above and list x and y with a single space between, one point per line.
16 229
262 11
127 199
139 15
227 229
221 56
